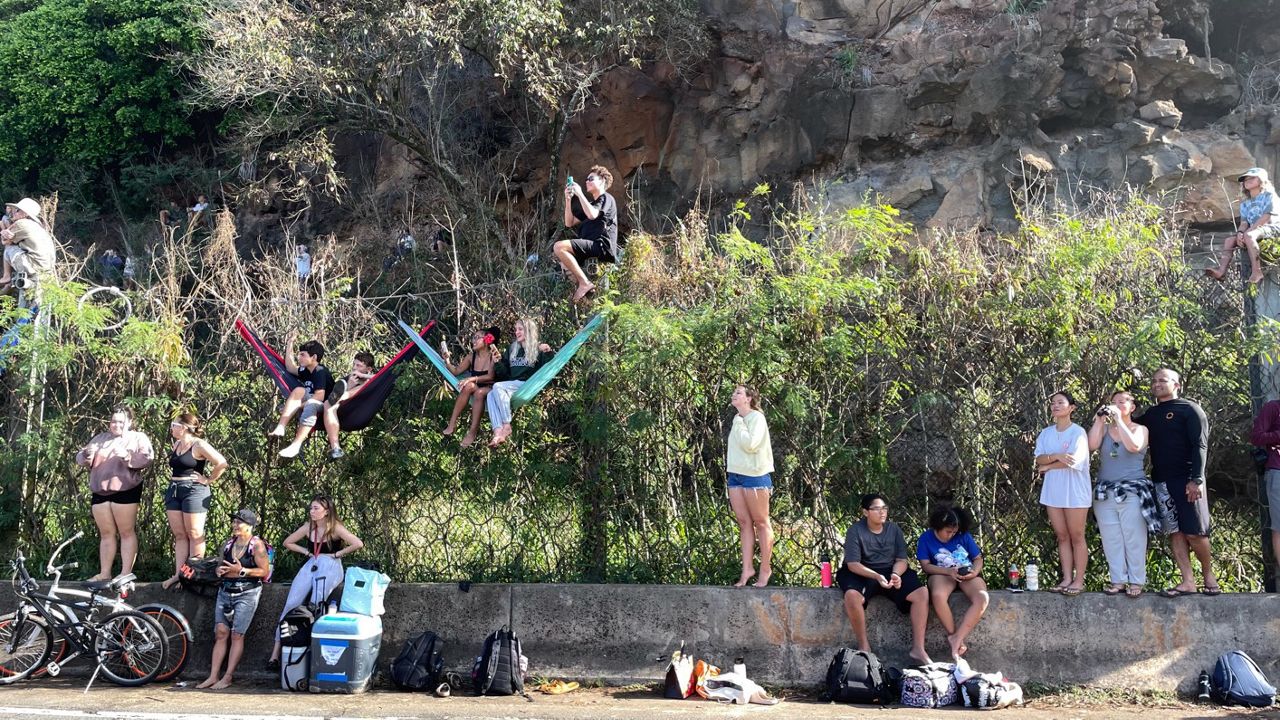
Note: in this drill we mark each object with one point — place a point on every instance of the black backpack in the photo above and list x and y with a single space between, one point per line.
856 677
1237 680
420 664
497 671
295 626
200 576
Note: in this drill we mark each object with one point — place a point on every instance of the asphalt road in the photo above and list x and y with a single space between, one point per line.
64 698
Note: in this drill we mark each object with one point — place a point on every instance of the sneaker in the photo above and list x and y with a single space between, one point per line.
335 453
290 452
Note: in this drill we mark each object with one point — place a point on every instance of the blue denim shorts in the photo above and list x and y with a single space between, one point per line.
235 610
750 481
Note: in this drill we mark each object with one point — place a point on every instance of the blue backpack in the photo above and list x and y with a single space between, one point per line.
1237 680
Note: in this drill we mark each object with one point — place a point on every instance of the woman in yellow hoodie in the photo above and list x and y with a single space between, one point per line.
749 463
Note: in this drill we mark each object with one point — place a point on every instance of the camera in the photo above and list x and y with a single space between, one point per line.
1104 412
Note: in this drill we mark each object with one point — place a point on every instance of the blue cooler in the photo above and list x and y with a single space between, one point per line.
344 652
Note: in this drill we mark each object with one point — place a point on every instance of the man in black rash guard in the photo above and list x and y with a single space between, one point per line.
1179 433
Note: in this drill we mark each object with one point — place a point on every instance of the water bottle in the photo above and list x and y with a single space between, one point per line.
333 607
1033 577
740 667
826 572
1203 687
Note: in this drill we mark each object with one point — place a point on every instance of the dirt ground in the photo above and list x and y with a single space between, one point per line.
65 698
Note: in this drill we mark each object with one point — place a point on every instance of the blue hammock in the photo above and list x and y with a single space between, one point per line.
534 384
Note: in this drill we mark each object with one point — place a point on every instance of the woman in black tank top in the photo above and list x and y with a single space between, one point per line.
323 540
194 465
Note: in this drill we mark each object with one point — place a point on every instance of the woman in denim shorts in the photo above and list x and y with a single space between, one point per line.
186 500
244 565
749 464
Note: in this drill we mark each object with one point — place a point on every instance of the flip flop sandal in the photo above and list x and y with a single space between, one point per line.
1113 590
1174 592
559 687
1133 591
1211 591
1058 589
1072 592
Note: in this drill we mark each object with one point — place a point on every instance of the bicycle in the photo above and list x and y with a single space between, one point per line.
178 636
129 646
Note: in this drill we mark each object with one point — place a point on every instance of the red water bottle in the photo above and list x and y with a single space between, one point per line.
826 572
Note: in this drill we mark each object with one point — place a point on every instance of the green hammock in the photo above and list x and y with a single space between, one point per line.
531 387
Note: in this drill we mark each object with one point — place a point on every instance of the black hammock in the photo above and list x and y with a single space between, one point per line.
358 410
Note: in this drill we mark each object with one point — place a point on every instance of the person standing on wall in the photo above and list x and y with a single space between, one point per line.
1179 440
187 499
1123 503
115 460
1062 457
749 464
1266 435
596 218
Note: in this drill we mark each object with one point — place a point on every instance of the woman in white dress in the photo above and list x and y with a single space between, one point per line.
1062 457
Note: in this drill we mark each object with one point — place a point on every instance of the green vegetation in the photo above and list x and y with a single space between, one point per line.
916 367
88 85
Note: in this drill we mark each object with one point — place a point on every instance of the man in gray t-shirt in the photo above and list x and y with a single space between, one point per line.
875 563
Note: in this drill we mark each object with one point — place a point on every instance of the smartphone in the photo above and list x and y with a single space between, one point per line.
569 182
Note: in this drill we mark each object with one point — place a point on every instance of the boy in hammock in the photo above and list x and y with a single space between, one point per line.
361 371
316 386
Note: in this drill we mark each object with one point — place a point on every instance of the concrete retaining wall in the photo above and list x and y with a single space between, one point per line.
623 633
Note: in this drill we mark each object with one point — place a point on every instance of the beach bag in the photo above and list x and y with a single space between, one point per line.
499 669
420 664
1237 680
702 672
363 591
855 676
737 690
929 686
990 692
679 681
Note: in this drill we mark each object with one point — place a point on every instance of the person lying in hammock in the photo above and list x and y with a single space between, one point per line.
361 371
482 364
525 356
316 387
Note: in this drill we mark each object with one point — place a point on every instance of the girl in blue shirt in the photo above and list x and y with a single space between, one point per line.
1259 223
950 558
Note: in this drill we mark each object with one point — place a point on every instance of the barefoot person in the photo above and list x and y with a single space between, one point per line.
482 364
749 464
186 501
1259 223
244 565
316 387
875 563
327 541
524 357
596 218
1062 457
1179 436
951 559
115 460
1123 503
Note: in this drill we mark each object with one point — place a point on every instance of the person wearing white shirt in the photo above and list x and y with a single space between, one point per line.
1062 457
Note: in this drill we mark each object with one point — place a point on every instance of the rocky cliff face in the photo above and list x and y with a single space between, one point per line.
955 111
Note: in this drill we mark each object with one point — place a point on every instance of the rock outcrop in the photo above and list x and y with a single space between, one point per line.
948 109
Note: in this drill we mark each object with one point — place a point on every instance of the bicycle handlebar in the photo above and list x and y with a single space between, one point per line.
49 567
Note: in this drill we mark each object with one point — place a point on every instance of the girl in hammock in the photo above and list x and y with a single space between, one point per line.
524 358
482 364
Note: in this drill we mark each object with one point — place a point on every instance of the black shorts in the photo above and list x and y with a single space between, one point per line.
583 249
132 496
869 587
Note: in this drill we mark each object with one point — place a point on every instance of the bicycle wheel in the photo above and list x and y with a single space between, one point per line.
130 646
178 638
24 647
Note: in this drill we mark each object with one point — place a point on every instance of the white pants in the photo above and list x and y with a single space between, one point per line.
498 401
1124 538
318 577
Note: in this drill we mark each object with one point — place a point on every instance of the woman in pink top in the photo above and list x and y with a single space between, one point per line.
115 460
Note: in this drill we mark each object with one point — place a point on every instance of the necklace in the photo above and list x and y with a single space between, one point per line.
1115 448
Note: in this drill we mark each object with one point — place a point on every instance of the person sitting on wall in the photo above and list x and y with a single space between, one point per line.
951 559
361 370
596 219
198 214
1259 221
244 565
875 563
316 387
